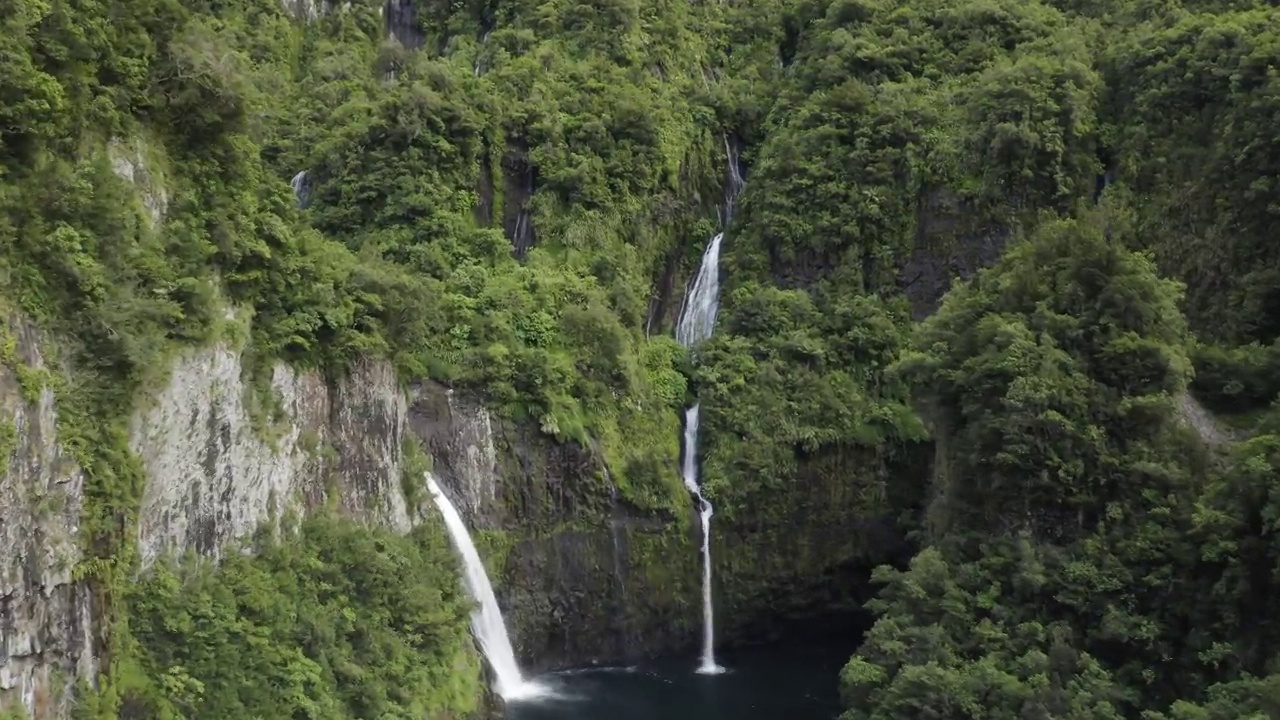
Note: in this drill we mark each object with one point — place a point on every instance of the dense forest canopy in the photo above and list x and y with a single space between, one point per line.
508 195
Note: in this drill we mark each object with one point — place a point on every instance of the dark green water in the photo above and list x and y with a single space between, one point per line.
797 683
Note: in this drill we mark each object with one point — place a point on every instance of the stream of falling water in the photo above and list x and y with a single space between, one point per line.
697 322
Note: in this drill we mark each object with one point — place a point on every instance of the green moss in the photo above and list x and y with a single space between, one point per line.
8 441
262 400
495 547
309 441
667 563
31 380
416 464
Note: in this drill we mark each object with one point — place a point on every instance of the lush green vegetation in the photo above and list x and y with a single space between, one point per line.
1084 553
1051 377
340 621
145 153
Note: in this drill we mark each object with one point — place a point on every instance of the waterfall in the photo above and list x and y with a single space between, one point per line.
697 321
522 237
486 620
300 188
695 325
479 66
734 186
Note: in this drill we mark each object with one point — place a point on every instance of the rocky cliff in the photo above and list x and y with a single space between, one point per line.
582 576
215 472
45 632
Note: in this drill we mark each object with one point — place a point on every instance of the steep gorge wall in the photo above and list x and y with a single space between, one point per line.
214 475
582 576
798 557
45 629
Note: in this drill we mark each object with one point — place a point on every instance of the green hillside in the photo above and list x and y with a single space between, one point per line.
509 197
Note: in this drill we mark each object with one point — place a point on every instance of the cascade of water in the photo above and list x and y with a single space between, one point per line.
522 236
479 52
697 322
736 183
486 620
707 665
300 189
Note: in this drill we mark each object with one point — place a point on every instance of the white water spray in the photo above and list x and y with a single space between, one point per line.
697 322
486 620
299 185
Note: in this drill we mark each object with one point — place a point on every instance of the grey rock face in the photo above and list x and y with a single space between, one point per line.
577 580
215 474
458 432
580 577
45 614
129 164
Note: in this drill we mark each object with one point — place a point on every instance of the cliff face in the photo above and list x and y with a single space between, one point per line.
585 578
949 243
216 474
799 557
581 576
45 632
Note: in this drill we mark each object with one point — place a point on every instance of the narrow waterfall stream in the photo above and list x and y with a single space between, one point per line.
486 620
300 189
697 322
695 326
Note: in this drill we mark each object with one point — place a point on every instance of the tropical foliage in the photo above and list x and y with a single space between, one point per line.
338 622
508 196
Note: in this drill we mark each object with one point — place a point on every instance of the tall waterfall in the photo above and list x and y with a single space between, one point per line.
486 620
697 322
